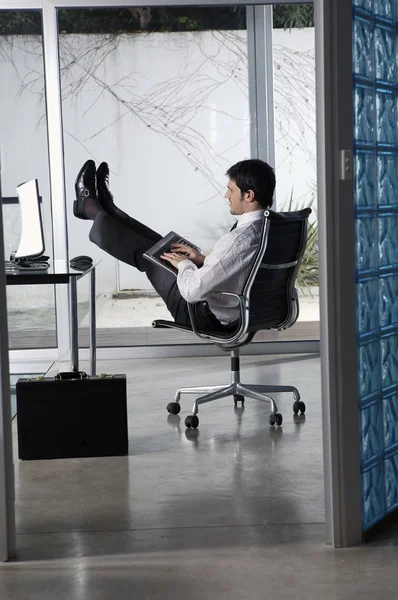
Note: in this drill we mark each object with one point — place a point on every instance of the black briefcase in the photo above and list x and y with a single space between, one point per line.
72 415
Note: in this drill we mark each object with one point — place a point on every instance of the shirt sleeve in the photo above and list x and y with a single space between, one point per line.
219 266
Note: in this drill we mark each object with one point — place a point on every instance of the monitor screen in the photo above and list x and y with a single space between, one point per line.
31 243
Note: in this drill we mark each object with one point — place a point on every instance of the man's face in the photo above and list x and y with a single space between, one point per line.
236 198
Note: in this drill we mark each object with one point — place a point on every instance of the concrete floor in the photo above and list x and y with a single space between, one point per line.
233 510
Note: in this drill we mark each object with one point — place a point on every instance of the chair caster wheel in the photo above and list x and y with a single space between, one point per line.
275 419
173 408
299 406
239 398
192 421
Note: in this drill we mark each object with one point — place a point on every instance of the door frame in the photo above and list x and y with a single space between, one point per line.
336 227
336 223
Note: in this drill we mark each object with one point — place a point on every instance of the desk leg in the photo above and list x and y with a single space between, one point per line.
93 332
74 324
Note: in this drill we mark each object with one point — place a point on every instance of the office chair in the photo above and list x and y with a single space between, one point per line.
268 300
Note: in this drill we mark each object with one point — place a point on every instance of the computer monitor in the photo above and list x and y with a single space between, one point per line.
31 242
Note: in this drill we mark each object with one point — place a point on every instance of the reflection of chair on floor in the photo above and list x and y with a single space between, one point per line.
268 301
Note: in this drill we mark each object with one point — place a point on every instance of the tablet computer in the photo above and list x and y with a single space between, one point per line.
154 253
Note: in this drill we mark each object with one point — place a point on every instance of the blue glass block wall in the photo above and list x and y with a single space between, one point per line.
375 56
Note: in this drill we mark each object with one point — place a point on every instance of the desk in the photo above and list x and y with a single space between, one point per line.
59 272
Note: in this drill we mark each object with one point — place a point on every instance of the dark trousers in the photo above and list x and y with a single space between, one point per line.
127 239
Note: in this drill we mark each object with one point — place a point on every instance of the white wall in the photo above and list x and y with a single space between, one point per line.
169 112
295 135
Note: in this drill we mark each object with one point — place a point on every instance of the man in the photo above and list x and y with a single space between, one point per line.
200 278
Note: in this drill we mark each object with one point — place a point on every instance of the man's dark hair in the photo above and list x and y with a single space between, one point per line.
254 174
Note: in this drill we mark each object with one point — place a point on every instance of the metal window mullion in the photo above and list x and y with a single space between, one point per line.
261 82
132 3
56 162
37 4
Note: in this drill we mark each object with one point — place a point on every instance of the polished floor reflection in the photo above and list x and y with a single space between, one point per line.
228 511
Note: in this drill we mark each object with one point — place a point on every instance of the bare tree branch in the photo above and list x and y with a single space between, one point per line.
171 107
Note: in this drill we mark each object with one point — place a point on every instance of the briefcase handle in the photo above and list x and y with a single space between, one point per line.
71 375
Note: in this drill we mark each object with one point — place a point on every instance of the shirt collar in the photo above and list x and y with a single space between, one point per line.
251 216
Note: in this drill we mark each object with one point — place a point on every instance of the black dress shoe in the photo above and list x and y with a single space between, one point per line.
84 188
104 196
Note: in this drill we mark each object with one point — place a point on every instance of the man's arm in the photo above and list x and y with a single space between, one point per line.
222 269
216 274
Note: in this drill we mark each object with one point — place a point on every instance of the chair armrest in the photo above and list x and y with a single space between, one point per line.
163 324
219 339
244 322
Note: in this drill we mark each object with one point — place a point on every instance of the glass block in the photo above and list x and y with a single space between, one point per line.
364 115
386 115
372 495
391 481
369 368
388 241
384 8
365 4
368 306
385 45
371 431
390 420
367 248
366 191
388 305
387 176
375 64
389 360
364 50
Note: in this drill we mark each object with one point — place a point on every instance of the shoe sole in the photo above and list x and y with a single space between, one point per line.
78 209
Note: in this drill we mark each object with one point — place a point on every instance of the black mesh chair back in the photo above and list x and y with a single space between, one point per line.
270 285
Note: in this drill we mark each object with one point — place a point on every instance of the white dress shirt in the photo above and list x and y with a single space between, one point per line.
225 269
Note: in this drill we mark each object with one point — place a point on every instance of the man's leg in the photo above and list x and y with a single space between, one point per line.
125 243
106 200
127 239
88 204
129 245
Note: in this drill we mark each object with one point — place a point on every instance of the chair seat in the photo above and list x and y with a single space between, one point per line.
226 332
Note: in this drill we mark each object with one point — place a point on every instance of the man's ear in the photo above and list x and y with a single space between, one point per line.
250 196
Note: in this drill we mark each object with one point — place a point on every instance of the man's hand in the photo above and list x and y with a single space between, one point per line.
174 258
196 257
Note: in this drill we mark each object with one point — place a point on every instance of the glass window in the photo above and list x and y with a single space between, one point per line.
295 135
24 156
161 95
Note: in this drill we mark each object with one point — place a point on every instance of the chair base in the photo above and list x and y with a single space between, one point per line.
215 392
239 391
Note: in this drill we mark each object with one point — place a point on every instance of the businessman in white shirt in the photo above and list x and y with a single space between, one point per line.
250 191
